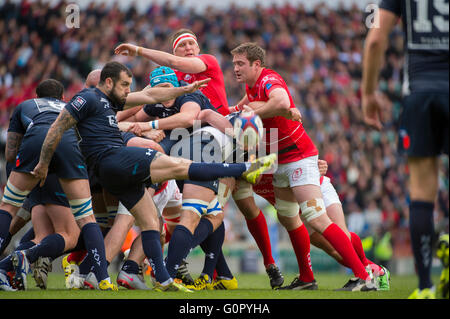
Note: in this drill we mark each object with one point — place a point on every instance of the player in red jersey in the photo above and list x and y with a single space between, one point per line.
188 63
296 180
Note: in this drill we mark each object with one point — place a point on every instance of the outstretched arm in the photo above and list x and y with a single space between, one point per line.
183 64
62 123
153 95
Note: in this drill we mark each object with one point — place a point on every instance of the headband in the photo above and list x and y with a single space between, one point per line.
184 37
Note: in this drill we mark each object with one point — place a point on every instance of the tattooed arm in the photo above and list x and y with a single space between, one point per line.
13 141
63 122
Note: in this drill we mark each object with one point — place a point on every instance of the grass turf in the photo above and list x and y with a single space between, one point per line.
251 286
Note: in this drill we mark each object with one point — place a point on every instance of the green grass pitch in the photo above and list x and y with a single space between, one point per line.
251 286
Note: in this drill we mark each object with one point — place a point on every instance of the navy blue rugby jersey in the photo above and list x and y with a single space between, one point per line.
426 28
34 112
160 111
96 123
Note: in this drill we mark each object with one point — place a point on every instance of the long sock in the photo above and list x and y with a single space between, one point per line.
51 246
5 222
131 267
152 248
302 247
339 240
6 264
222 268
212 246
212 171
93 239
357 245
29 235
5 243
258 228
179 247
421 229
203 230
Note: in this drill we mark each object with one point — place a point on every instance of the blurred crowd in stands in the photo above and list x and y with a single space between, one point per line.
318 52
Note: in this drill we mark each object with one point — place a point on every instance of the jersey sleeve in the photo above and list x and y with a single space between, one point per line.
212 65
393 6
269 83
79 107
15 123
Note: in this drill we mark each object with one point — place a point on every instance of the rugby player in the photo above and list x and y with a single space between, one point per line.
423 133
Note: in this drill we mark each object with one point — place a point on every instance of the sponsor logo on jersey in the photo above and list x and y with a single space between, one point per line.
78 103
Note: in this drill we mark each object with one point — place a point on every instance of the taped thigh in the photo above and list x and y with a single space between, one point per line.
244 191
81 208
197 206
102 219
214 207
286 208
312 208
13 195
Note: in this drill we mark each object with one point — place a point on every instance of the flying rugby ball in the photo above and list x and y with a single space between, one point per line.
248 130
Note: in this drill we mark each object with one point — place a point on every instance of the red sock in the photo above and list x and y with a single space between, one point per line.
168 234
77 256
357 245
258 228
300 241
339 240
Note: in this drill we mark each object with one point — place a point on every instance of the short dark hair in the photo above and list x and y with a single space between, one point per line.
252 51
50 88
112 70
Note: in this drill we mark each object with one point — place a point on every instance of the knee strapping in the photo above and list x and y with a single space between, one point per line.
286 208
13 195
81 207
102 219
312 208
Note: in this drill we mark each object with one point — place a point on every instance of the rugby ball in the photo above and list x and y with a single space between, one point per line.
248 130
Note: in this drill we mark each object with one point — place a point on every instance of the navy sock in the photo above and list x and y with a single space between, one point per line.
222 267
152 248
95 246
131 267
5 243
51 246
212 171
5 222
203 230
179 247
212 247
29 235
421 229
6 264
86 266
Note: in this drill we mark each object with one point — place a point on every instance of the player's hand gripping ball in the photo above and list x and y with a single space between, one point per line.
248 131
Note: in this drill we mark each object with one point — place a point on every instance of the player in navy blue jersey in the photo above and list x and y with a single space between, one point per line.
122 170
424 121
36 116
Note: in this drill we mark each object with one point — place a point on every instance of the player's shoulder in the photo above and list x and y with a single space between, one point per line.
270 75
208 57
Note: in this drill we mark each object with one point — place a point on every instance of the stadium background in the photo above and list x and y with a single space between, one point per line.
315 46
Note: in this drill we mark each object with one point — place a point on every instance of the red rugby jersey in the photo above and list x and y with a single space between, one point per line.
293 142
215 91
